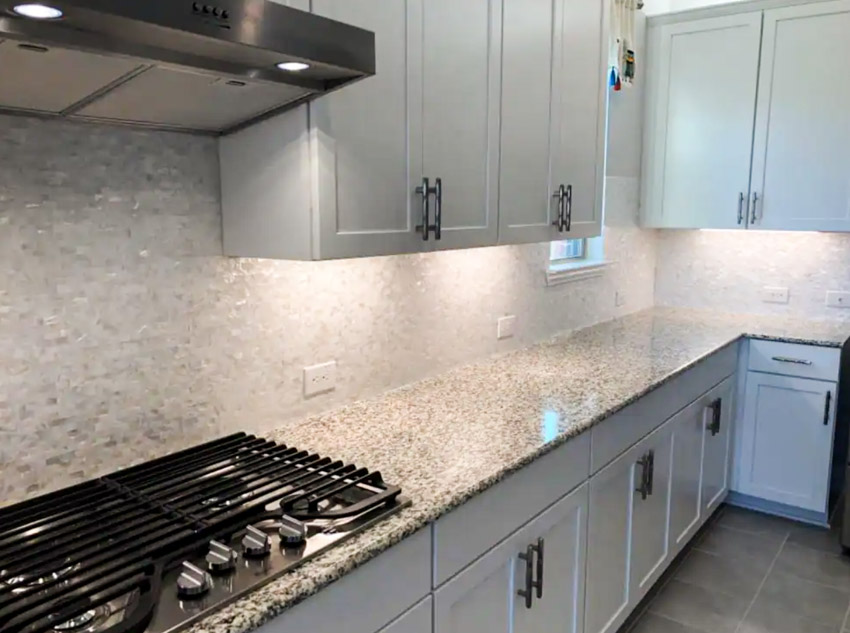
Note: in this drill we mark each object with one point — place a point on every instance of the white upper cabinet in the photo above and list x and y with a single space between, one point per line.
460 75
553 115
699 122
579 109
366 165
801 162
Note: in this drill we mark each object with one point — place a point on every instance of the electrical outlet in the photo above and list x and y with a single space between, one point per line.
505 327
836 299
774 294
319 378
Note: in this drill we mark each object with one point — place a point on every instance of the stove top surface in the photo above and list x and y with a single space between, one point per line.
156 547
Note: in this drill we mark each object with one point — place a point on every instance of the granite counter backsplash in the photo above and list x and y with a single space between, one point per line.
446 439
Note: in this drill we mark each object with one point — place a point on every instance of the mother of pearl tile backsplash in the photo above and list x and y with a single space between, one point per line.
126 334
726 270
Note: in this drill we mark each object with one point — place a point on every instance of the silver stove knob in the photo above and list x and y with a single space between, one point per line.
256 543
292 531
221 558
193 581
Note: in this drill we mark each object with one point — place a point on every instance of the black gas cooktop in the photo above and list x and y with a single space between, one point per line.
155 547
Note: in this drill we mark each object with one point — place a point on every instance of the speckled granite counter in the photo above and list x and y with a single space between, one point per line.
447 438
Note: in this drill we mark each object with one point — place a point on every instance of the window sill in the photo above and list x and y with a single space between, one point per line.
566 273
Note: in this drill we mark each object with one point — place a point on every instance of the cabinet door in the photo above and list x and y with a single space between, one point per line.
688 428
650 512
801 156
531 39
608 545
461 90
699 122
579 112
717 430
416 620
563 530
786 449
367 140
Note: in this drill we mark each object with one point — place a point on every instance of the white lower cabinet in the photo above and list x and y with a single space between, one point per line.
688 429
718 413
786 440
543 561
416 620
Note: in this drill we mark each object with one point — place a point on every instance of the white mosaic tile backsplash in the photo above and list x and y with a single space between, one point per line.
726 270
125 333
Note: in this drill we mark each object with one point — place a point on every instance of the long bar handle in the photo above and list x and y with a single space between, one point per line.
740 208
526 593
538 584
753 216
826 408
788 359
425 191
560 194
568 206
438 209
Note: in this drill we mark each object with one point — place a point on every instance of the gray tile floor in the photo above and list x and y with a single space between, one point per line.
753 573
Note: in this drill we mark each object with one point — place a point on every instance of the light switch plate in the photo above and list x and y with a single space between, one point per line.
505 327
836 299
774 294
319 378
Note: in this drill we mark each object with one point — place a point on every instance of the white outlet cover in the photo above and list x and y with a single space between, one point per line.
319 378
836 299
775 294
505 327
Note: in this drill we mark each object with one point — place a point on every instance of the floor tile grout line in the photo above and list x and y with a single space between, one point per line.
666 582
761 585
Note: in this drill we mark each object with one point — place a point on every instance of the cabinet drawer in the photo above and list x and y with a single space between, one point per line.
470 530
792 359
627 427
382 589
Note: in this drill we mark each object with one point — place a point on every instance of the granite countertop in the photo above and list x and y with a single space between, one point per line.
447 438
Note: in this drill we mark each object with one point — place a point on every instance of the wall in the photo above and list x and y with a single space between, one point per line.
126 335
726 270
658 7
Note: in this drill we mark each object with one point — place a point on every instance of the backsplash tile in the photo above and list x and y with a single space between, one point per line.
726 270
125 333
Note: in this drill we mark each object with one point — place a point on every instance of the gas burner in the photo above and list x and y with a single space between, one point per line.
82 621
26 582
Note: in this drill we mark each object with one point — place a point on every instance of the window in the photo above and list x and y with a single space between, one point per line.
567 250
571 260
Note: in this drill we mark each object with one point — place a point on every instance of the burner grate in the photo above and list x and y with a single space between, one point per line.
64 556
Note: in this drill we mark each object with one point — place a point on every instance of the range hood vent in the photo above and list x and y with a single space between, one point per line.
173 64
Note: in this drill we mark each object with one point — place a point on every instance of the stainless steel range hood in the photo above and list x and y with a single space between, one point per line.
174 64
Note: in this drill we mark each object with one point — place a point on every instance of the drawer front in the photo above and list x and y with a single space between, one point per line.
470 530
793 359
382 589
627 427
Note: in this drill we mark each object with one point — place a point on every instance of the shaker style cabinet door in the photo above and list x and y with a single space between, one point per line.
650 515
718 412
688 428
701 98
786 450
366 140
531 40
579 108
460 105
801 158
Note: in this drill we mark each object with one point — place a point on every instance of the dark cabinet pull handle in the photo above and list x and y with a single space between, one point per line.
755 205
826 408
643 489
568 205
716 414
526 593
788 359
741 208
538 584
560 194
650 482
438 209
426 190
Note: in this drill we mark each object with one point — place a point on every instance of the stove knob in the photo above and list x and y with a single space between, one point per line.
256 543
193 582
292 531
221 558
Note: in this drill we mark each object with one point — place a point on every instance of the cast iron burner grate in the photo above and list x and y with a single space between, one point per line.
69 557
